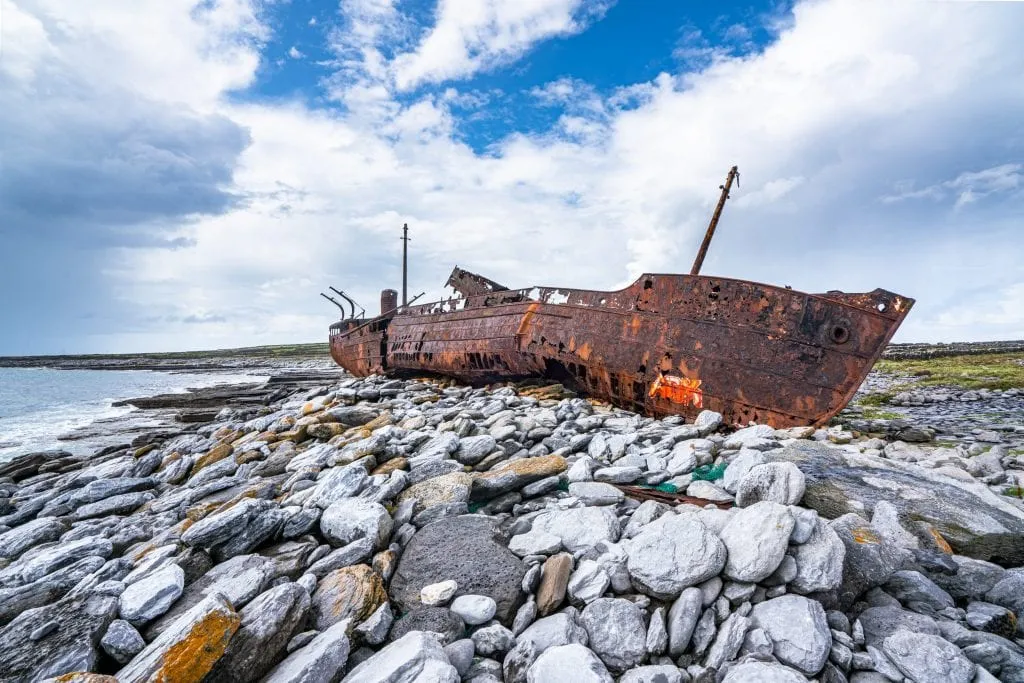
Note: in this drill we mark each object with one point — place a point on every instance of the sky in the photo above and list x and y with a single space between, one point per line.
180 175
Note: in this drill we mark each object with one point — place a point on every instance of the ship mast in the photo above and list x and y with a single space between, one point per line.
699 261
405 264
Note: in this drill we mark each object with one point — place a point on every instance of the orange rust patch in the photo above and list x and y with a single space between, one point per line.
863 535
584 351
192 657
678 390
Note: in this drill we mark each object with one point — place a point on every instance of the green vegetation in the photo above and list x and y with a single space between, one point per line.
311 350
981 371
1014 491
880 398
872 413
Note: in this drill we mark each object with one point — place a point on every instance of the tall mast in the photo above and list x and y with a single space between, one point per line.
699 261
405 264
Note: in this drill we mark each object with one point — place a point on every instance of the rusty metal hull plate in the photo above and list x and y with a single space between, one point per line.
665 345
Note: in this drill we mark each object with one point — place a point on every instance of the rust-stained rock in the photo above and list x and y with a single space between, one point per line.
554 579
382 420
296 435
351 592
515 475
249 456
187 650
447 488
82 677
384 563
325 430
268 623
139 452
215 454
392 465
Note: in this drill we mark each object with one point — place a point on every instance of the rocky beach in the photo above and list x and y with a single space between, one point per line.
320 527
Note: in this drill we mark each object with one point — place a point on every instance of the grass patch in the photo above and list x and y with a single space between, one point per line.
872 413
981 371
881 398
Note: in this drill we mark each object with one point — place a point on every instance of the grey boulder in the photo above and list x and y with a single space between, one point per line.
616 632
674 553
798 629
924 658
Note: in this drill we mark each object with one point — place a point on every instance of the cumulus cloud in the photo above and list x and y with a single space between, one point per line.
473 35
168 200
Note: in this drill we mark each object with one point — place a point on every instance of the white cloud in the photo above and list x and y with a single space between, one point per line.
473 35
312 21
851 99
968 187
294 53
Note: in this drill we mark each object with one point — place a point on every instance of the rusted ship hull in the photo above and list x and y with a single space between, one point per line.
665 345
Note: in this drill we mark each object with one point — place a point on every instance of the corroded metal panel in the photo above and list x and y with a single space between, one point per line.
666 344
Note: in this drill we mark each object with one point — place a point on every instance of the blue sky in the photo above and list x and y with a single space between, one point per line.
184 175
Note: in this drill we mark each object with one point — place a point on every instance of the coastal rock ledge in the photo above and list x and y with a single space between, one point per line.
389 530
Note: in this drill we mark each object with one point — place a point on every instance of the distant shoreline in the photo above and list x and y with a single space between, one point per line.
315 354
279 356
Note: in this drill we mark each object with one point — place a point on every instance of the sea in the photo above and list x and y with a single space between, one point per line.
38 405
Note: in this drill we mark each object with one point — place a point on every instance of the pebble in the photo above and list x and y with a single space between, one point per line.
474 609
121 641
438 593
553 583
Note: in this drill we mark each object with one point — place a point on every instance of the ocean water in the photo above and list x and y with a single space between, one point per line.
39 404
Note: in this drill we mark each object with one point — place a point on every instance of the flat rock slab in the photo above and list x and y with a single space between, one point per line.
975 521
72 647
468 549
189 647
267 625
239 579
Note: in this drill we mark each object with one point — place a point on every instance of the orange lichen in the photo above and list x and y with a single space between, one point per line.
864 535
198 512
351 592
192 657
940 542
215 454
84 677
139 553
392 465
382 420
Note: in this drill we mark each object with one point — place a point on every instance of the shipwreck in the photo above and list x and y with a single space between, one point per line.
668 344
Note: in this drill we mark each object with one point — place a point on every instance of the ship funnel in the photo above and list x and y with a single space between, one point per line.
388 301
